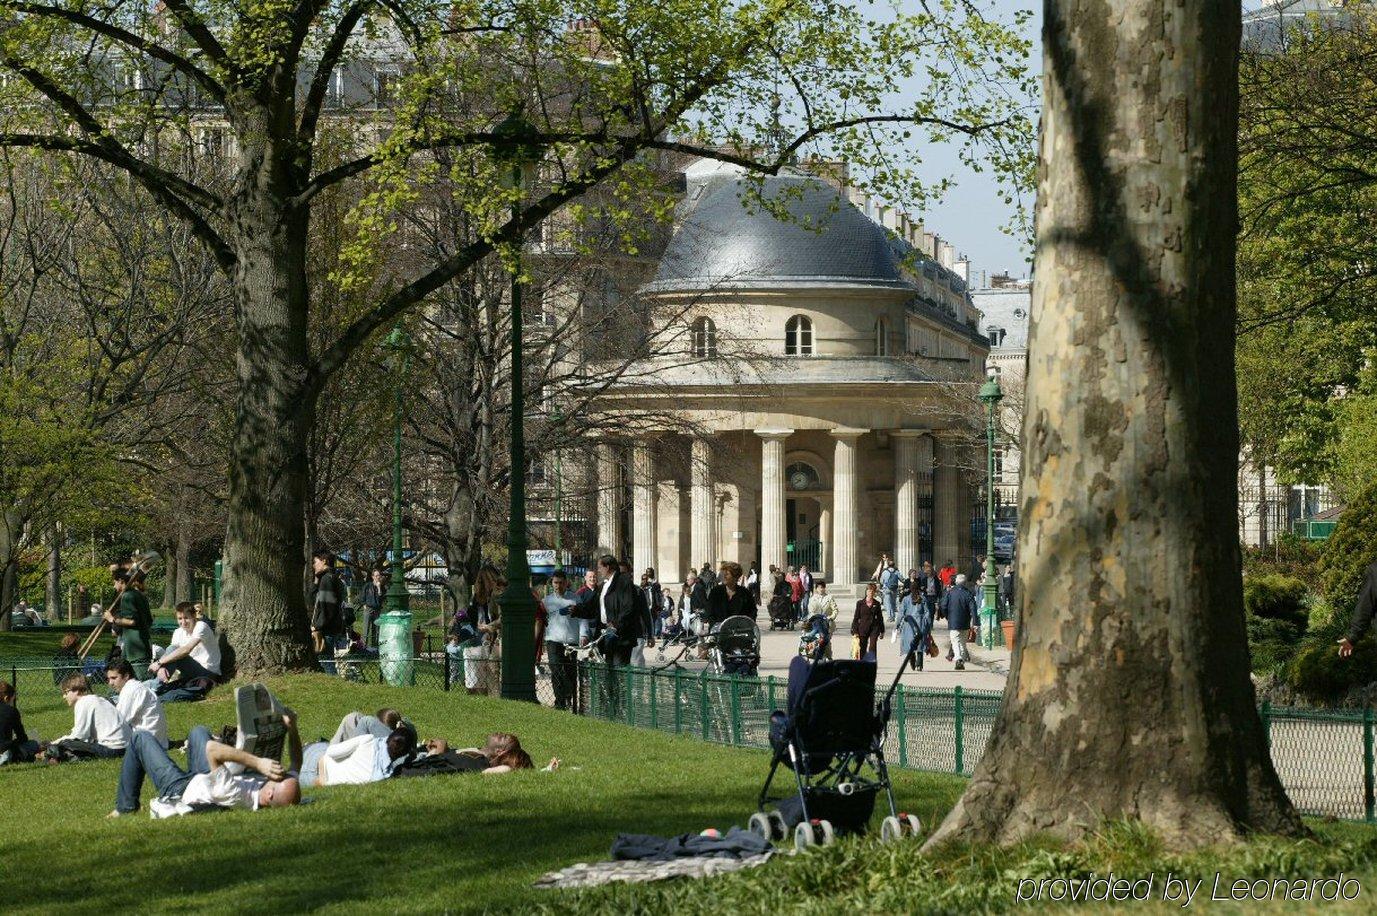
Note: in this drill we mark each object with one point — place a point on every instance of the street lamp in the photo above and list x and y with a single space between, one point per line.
517 149
398 598
991 394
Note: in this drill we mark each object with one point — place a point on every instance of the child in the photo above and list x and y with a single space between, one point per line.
15 746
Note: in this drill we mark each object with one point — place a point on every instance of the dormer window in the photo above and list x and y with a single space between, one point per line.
798 336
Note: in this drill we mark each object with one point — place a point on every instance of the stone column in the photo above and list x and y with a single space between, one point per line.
924 463
825 535
845 485
703 524
773 526
642 509
906 458
946 502
608 486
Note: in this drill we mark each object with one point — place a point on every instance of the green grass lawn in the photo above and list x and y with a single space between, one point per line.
459 843
472 844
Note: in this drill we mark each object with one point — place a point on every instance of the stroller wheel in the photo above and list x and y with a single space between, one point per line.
890 830
761 825
809 833
778 829
915 827
828 835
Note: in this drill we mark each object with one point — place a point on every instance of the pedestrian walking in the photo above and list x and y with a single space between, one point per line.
795 591
729 597
959 607
867 625
915 625
826 605
327 597
372 600
888 578
562 634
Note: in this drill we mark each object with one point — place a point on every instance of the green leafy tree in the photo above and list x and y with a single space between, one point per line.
1307 262
274 84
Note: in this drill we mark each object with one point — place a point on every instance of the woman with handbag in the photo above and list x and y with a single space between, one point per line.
867 625
915 625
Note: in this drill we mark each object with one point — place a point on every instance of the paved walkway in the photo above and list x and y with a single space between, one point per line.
986 671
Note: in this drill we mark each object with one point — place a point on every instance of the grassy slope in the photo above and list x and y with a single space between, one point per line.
456 843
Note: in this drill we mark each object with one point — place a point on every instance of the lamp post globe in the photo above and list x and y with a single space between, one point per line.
991 395
397 598
518 605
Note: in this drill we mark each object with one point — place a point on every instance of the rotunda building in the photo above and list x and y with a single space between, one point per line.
818 409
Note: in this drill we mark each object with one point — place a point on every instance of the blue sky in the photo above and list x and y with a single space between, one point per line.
972 212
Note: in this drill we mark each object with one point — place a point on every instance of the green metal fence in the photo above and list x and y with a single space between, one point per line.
1324 757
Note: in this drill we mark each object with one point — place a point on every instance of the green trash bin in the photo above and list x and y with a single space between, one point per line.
394 648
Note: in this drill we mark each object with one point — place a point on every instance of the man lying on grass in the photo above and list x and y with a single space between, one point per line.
215 775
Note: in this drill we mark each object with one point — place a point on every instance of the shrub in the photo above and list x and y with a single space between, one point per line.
1272 642
1276 597
1288 555
1318 673
1350 550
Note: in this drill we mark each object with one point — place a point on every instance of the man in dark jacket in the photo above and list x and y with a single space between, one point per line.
930 587
1362 614
621 609
326 597
959 607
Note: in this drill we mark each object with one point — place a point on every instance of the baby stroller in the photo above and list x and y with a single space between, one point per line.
816 638
781 613
833 739
736 646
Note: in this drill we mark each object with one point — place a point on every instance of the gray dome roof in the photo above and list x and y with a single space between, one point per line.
726 241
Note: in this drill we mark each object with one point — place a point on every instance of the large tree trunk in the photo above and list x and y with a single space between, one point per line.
264 618
1129 695
181 581
170 572
53 590
10 527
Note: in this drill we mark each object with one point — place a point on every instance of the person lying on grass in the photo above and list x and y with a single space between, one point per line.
216 774
98 729
501 754
360 758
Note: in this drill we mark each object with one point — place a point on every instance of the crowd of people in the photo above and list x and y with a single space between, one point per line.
131 725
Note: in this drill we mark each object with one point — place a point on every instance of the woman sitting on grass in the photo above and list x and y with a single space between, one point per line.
15 745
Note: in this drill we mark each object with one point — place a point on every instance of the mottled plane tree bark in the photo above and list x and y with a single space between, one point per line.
1129 696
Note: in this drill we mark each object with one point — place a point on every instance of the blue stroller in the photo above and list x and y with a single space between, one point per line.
816 638
832 737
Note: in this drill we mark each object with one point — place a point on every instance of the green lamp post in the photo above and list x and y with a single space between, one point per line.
397 598
991 395
517 603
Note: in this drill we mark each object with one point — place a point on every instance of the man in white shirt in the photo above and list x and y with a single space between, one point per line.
217 774
98 730
357 760
137 704
194 651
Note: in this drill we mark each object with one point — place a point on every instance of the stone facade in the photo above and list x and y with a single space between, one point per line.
821 413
